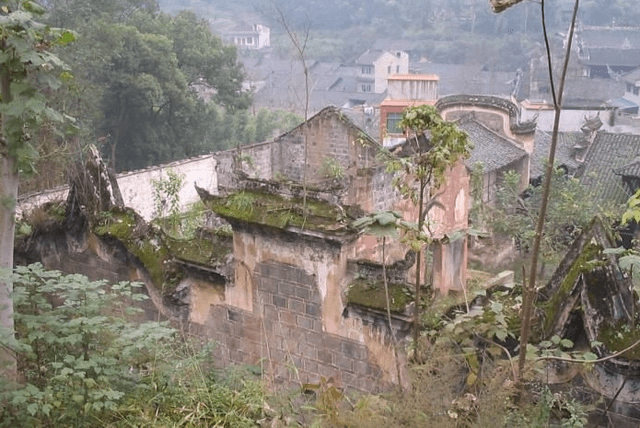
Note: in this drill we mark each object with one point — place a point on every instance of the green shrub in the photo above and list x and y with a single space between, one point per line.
86 362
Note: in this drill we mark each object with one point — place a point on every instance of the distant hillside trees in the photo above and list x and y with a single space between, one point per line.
149 86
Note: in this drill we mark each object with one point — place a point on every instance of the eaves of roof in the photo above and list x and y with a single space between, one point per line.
564 151
490 148
607 154
613 57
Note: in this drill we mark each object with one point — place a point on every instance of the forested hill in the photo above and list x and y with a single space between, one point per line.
441 31
411 15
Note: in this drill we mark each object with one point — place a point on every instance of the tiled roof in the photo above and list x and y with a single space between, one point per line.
632 76
632 169
564 151
284 86
490 148
369 57
607 154
467 79
610 37
613 57
587 91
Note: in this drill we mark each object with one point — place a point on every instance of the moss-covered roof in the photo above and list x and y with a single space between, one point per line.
154 248
282 213
209 250
371 295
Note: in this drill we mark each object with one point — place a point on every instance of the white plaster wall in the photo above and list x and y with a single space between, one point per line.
137 189
418 89
27 203
572 120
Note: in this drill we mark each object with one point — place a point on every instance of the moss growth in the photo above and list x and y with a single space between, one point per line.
370 294
621 336
279 212
117 224
141 240
156 250
583 263
202 250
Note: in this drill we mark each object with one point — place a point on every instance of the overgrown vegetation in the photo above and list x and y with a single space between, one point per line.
371 294
86 361
514 213
166 197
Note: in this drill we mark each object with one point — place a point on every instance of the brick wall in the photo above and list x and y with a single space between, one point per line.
284 333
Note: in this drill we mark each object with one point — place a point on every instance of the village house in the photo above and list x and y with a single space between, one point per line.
608 52
258 37
280 84
375 67
629 102
403 91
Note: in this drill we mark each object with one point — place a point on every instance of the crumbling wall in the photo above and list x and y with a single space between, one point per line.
328 135
285 310
284 333
253 161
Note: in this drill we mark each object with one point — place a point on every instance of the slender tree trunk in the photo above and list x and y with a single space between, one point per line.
386 292
418 297
529 290
9 180
8 195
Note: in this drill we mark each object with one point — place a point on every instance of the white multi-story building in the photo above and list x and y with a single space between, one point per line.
375 67
258 37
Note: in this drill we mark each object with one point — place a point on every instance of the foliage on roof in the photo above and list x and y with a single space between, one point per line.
276 211
156 250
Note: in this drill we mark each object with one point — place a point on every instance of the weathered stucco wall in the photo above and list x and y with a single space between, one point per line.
285 333
137 187
285 311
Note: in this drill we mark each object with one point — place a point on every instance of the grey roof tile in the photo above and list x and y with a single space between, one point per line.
632 169
608 153
613 57
632 76
467 79
490 148
610 37
564 151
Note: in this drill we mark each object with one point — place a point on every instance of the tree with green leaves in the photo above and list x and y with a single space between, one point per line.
28 72
436 146
153 87
77 13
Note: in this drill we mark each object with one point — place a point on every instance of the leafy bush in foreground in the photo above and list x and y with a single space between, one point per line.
85 362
